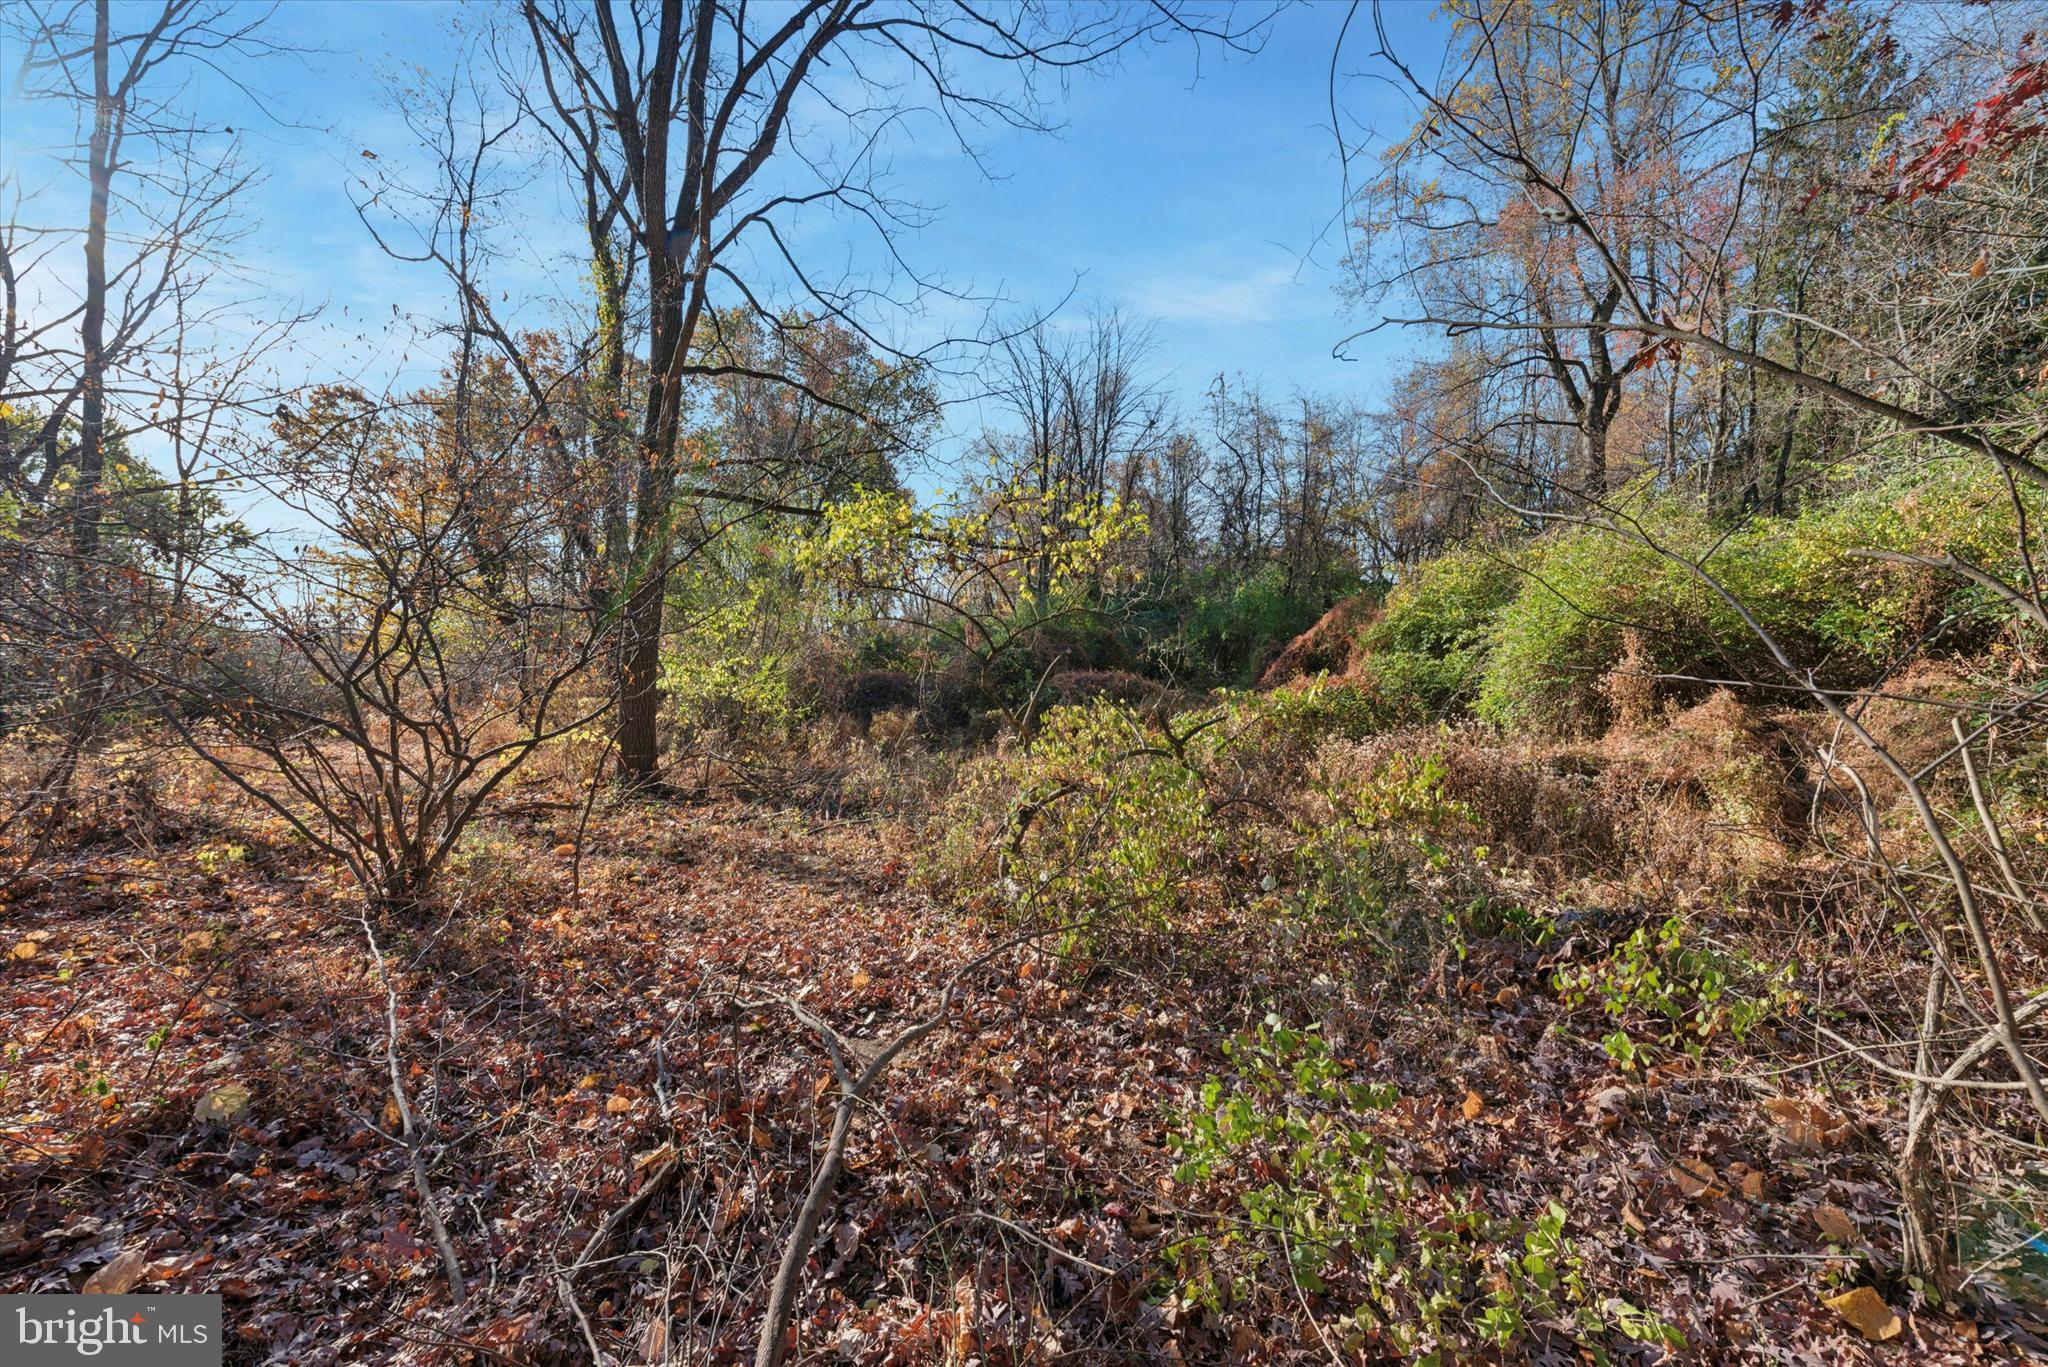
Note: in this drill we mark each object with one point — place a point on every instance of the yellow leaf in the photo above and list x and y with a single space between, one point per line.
1865 1309
223 1105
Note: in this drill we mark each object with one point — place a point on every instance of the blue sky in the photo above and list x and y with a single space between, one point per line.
1200 194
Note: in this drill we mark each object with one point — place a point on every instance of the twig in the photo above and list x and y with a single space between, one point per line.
568 1294
409 1135
583 825
796 1252
772 1347
1032 1236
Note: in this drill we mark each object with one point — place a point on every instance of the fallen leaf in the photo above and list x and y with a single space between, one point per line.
1865 1309
1474 1105
1835 1223
1695 1178
1633 1221
25 949
118 1277
1806 1124
222 1105
1605 1107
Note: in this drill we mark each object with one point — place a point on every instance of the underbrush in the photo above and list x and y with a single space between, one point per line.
1533 638
1302 1154
1142 833
1662 990
1640 886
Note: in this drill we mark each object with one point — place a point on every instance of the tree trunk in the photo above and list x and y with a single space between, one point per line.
85 522
639 691
88 583
1593 453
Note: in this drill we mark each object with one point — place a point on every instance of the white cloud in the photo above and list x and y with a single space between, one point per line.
1192 297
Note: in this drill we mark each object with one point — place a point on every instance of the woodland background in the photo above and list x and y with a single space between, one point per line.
666 843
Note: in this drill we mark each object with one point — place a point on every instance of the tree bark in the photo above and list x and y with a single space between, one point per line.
1593 452
639 685
85 521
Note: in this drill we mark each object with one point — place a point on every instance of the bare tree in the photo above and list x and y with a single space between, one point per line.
674 110
1085 422
145 353
375 684
1598 99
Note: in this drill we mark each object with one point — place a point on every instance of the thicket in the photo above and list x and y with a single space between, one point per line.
1533 636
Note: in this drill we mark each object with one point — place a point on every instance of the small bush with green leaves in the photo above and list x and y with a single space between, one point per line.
1233 622
1382 830
1104 821
1550 647
1311 1202
1661 990
1291 722
1120 821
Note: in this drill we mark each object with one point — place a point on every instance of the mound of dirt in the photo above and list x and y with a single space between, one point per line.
1330 646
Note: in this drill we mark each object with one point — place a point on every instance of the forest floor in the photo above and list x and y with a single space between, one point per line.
197 1098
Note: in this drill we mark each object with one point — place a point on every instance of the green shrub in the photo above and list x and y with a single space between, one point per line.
1102 821
1233 624
1445 605
1660 989
1858 614
1126 825
1291 722
1562 633
1382 828
1425 651
1850 617
1314 1205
